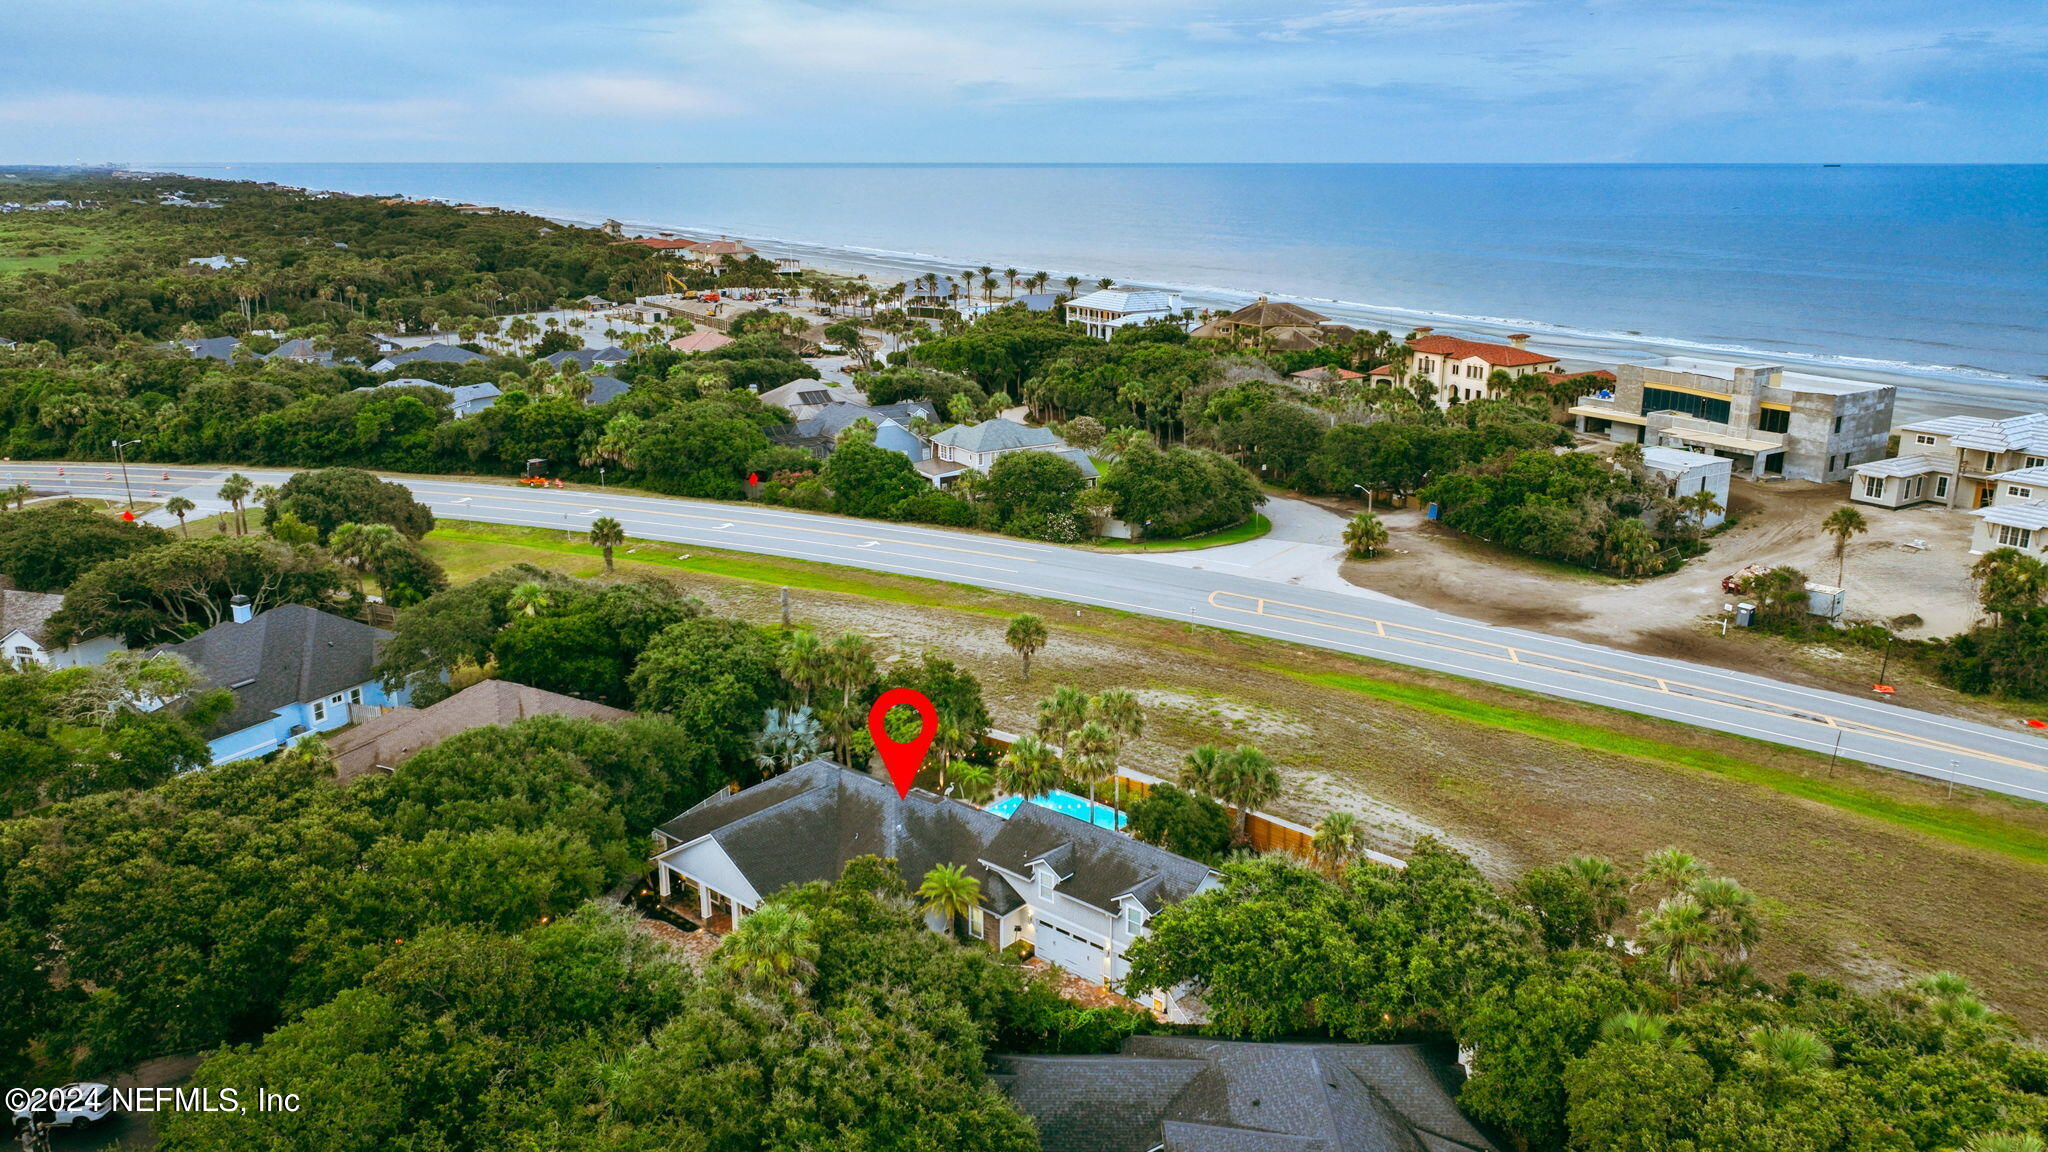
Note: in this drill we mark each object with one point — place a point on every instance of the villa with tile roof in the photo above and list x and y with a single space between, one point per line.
1278 325
1104 311
1967 462
1078 894
1458 370
1195 1094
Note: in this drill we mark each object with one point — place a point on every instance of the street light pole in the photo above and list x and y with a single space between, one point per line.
1368 495
122 459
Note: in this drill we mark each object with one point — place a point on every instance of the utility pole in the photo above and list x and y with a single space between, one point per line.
120 456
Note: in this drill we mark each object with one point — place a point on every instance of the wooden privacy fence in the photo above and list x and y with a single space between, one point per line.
1266 833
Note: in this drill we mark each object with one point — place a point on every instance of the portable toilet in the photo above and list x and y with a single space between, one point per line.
1744 613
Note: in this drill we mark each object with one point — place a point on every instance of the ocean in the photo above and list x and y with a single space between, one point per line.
1930 276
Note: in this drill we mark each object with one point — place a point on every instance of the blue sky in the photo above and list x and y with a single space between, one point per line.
1046 80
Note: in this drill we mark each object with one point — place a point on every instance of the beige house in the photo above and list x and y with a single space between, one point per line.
1770 422
1279 325
1961 461
1457 370
383 742
2021 526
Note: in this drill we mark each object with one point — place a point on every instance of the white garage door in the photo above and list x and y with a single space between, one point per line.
1058 946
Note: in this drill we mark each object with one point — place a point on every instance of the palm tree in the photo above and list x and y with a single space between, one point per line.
1029 768
1025 636
1061 713
1640 1028
18 496
1118 710
1091 756
1669 871
849 668
1843 523
1203 770
1792 1049
2005 1142
363 548
972 782
770 947
180 507
949 893
1700 505
1073 284
1365 535
1605 885
1338 841
1679 938
528 598
265 495
234 490
1248 779
1105 284
606 533
803 663
1731 909
787 739
1009 283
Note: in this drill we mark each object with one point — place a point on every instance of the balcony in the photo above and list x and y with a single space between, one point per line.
1692 429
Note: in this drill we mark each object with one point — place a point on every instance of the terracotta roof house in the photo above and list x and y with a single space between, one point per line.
703 340
292 670
1325 375
1458 369
1077 893
1194 1094
672 245
387 741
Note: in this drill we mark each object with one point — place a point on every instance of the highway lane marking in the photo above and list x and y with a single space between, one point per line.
1669 687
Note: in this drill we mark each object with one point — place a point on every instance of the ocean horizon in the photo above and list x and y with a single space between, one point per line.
1934 277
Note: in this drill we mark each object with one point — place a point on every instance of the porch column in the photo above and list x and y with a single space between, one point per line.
661 879
703 902
736 913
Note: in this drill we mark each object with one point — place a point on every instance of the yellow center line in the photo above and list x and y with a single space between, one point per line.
1667 687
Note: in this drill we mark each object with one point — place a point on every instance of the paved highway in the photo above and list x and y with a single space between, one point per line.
2013 761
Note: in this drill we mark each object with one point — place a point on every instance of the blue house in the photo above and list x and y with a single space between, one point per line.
293 670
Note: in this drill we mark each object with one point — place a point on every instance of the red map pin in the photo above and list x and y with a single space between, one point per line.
904 757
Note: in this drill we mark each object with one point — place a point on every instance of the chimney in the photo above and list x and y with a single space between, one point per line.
1519 340
1424 330
240 608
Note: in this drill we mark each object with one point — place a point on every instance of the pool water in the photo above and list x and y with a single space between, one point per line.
1100 815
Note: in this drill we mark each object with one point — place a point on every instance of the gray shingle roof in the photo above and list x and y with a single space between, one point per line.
997 436
1192 1094
288 655
585 357
604 389
27 612
213 347
431 354
807 823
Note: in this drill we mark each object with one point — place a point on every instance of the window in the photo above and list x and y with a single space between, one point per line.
355 695
2016 490
1831 463
1873 487
1773 420
1704 407
1941 487
319 711
1045 883
1922 438
2036 462
974 926
2011 537
1428 365
1134 917
1838 423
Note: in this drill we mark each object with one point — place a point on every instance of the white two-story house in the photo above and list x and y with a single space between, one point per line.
1103 312
1077 894
979 446
1964 462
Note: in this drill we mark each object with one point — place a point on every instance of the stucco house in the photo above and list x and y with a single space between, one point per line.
2012 525
1685 473
979 446
1458 370
292 670
1960 461
1078 894
25 635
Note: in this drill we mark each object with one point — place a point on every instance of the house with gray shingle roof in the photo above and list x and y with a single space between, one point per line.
978 446
211 347
1076 893
586 357
1195 1094
429 354
384 743
819 432
25 633
292 670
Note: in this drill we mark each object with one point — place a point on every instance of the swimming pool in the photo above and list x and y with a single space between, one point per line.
1100 815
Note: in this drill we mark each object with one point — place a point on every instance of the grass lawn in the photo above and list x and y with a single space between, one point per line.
1251 529
1873 876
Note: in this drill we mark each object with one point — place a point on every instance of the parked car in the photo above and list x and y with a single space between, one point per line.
72 1106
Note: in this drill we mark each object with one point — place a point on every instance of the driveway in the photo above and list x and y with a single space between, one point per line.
1305 549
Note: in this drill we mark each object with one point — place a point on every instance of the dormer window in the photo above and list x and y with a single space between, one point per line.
1046 880
1134 917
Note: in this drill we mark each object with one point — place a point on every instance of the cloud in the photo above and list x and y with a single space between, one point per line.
618 94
